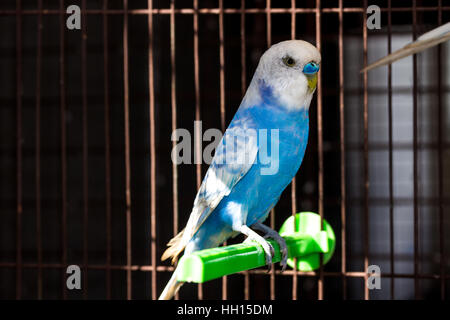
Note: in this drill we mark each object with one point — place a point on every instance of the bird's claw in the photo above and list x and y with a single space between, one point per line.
283 262
267 247
269 257
283 248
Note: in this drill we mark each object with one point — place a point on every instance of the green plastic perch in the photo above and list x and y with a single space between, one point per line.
304 239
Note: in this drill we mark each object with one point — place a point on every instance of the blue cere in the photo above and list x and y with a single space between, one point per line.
311 68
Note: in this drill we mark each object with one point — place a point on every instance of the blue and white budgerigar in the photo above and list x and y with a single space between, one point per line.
242 185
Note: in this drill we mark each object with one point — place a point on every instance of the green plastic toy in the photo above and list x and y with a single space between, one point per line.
304 239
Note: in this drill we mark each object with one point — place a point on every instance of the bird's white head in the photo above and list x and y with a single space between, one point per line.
289 70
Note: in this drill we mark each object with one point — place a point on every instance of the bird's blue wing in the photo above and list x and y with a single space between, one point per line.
234 156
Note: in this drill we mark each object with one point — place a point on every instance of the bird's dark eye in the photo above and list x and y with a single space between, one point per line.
289 61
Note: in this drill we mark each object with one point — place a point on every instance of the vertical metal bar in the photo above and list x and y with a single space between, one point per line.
62 87
222 66
222 103
440 164
197 90
85 149
19 149
272 273
272 212
243 89
319 142
342 150
293 212
294 201
415 163
293 19
366 157
107 150
173 96
269 23
127 146
38 151
391 160
293 183
151 91
243 50
197 111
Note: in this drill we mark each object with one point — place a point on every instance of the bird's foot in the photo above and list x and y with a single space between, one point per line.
268 249
270 233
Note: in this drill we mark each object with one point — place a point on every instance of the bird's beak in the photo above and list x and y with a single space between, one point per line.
310 71
312 81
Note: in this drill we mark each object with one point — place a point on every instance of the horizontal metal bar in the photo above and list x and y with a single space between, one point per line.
332 147
149 268
225 11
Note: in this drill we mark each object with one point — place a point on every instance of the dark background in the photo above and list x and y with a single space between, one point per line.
51 150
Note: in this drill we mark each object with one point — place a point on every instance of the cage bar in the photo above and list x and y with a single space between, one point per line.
107 116
222 104
342 150
173 101
319 144
62 88
19 91
440 163
152 149
243 90
293 183
415 160
85 148
38 152
189 11
366 156
197 150
391 161
126 106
